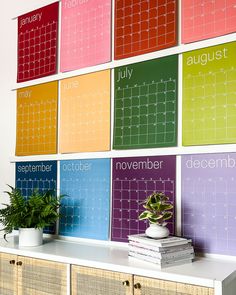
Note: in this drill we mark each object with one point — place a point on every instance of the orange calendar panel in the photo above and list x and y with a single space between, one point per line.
36 130
85 113
37 43
144 26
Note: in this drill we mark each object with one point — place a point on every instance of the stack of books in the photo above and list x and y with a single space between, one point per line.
165 252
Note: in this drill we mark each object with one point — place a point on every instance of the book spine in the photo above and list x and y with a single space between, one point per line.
159 261
160 249
171 255
158 243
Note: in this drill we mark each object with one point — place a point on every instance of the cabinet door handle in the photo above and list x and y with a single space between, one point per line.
12 261
19 263
137 286
125 283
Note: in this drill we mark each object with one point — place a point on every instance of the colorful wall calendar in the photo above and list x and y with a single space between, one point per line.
144 26
133 180
85 33
209 86
146 104
86 206
209 203
207 19
36 130
85 113
37 43
37 175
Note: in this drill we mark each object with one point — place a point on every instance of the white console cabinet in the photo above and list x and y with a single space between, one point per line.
84 268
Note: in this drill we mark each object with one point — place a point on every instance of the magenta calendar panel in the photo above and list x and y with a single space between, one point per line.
202 19
133 179
85 33
37 43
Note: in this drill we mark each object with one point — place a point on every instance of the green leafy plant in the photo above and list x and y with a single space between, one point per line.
158 208
38 210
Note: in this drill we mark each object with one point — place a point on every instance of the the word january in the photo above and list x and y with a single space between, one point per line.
31 19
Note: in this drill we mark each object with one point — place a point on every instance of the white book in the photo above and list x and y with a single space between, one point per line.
163 256
161 263
169 241
161 249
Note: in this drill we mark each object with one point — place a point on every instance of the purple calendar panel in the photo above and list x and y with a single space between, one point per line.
209 202
133 180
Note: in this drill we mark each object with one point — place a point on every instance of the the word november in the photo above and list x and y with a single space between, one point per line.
139 165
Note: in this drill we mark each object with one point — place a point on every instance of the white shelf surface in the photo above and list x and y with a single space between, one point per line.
178 49
208 272
187 150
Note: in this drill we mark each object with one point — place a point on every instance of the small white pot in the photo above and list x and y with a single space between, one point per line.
30 237
157 231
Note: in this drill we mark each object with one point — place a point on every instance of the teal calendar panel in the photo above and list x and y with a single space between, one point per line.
86 206
146 104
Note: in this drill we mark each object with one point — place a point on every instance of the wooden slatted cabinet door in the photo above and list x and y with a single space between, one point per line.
93 281
148 286
8 274
41 277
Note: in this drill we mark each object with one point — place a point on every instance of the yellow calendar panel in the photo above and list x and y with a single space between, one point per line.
36 127
85 113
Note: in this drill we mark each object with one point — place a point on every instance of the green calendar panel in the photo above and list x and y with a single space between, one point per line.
209 95
146 104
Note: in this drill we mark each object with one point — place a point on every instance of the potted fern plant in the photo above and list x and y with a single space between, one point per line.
158 210
29 214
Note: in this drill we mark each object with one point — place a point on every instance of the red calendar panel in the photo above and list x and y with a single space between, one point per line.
144 26
37 43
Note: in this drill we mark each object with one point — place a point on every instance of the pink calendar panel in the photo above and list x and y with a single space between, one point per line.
37 43
85 33
202 19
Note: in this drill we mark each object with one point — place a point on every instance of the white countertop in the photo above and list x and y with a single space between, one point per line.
203 271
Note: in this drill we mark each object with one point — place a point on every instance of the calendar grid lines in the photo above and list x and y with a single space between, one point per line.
36 119
37 44
85 208
131 108
85 113
42 176
131 187
137 30
208 205
134 210
86 34
211 97
204 19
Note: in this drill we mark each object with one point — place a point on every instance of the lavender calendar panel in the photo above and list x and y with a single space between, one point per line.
133 180
209 202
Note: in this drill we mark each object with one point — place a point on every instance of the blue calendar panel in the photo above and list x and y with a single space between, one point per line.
86 207
37 175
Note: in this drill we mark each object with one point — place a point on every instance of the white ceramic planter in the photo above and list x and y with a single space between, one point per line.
157 231
30 237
